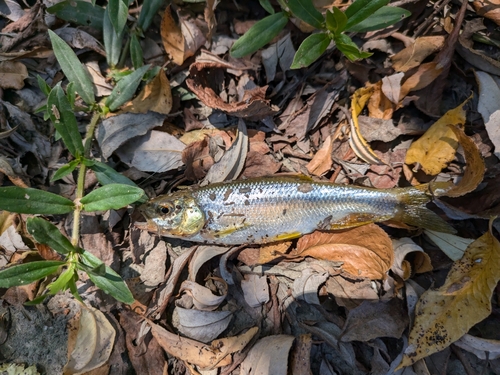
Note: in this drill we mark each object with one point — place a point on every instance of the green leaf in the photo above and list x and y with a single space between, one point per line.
148 11
65 170
79 12
362 9
23 274
33 201
112 196
71 94
310 50
107 175
305 10
72 68
64 120
382 18
112 41
336 20
43 85
125 89
118 12
259 34
110 282
61 283
47 233
349 48
135 51
266 4
36 301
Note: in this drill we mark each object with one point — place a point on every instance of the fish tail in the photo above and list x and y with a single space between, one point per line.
411 209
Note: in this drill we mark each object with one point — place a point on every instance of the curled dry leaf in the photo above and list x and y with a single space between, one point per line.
203 254
445 314
482 348
413 55
217 354
474 170
203 298
255 290
12 75
202 326
269 355
253 106
365 251
306 286
156 96
404 268
436 148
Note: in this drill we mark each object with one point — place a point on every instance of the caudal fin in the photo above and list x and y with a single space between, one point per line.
412 210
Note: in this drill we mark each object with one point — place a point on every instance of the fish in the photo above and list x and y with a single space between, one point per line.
269 209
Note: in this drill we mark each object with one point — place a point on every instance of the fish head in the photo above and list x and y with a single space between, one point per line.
173 215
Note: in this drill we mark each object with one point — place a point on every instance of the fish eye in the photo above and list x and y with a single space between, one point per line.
165 209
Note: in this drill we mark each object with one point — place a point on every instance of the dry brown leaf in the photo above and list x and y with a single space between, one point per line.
202 255
405 266
171 35
424 76
489 9
156 96
436 148
322 162
197 159
203 298
272 251
253 105
379 105
475 168
391 87
365 251
12 75
412 56
444 315
301 355
255 290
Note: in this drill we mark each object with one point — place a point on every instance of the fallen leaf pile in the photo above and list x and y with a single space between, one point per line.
377 299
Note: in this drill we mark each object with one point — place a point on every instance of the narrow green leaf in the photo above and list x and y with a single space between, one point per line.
43 85
118 12
64 120
336 20
47 233
79 12
107 175
112 41
71 94
135 51
110 282
349 48
125 89
148 11
266 4
259 34
310 50
61 283
305 10
382 18
38 300
65 170
23 274
362 9
73 68
33 201
112 196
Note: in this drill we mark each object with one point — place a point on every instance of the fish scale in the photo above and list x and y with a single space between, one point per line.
279 208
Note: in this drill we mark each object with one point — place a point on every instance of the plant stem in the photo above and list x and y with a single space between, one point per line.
80 183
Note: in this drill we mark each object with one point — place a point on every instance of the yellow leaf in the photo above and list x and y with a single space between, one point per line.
436 148
172 37
156 96
446 314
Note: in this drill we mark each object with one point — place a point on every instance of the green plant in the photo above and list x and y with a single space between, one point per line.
116 191
360 16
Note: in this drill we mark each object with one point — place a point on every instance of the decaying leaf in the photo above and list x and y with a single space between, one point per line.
489 106
482 348
322 161
404 268
365 251
202 326
217 354
306 286
202 255
413 55
203 298
269 355
301 355
156 96
474 171
272 251
489 9
12 75
444 315
436 148
255 290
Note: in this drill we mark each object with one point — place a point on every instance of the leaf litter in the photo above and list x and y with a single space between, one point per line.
329 302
